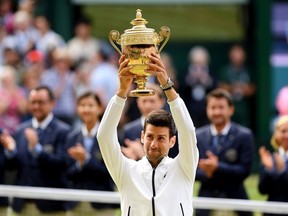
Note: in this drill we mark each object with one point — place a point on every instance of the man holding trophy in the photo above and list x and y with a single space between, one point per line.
156 185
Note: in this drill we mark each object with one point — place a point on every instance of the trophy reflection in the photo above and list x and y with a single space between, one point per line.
136 44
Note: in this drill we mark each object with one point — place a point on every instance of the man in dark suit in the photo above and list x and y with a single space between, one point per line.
39 155
226 152
132 148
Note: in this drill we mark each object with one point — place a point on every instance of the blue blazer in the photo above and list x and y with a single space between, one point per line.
46 170
94 174
3 200
235 162
132 131
274 184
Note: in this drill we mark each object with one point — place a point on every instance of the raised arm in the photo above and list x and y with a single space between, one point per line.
188 152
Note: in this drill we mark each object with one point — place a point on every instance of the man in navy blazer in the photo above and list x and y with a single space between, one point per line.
226 152
39 155
4 142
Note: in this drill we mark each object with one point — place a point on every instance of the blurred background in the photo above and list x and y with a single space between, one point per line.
206 35
260 27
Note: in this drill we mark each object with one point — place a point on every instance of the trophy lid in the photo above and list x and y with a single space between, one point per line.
139 34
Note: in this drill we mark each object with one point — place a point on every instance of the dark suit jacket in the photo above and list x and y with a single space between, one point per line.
3 200
46 170
235 162
132 131
94 174
274 184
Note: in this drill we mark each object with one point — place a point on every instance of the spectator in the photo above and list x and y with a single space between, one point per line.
7 15
226 152
13 101
235 78
86 166
199 81
25 33
61 80
48 40
273 177
82 78
83 46
104 77
12 58
2 40
156 184
39 155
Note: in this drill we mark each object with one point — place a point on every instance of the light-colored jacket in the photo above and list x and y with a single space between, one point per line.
166 190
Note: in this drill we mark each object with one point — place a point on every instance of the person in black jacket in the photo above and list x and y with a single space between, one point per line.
273 177
86 168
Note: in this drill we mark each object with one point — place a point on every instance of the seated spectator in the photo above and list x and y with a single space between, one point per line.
13 104
104 76
60 79
47 38
83 46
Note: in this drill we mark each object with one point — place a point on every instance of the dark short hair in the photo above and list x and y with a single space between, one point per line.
220 93
90 94
45 88
161 118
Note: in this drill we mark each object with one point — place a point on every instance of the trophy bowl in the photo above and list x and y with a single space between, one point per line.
136 44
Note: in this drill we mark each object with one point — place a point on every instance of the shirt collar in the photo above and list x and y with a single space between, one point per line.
43 125
282 153
142 121
92 133
224 132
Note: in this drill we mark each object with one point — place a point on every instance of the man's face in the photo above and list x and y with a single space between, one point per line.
218 111
39 104
149 103
156 142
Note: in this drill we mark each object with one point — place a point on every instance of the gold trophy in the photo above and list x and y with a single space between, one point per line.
136 44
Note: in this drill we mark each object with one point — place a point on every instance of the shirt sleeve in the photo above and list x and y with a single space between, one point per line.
188 151
108 138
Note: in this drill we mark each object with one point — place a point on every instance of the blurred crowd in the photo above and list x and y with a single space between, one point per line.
78 77
32 54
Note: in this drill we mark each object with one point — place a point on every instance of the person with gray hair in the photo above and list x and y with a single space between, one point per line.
199 81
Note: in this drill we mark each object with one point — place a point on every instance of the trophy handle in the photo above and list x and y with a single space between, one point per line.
114 36
164 33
